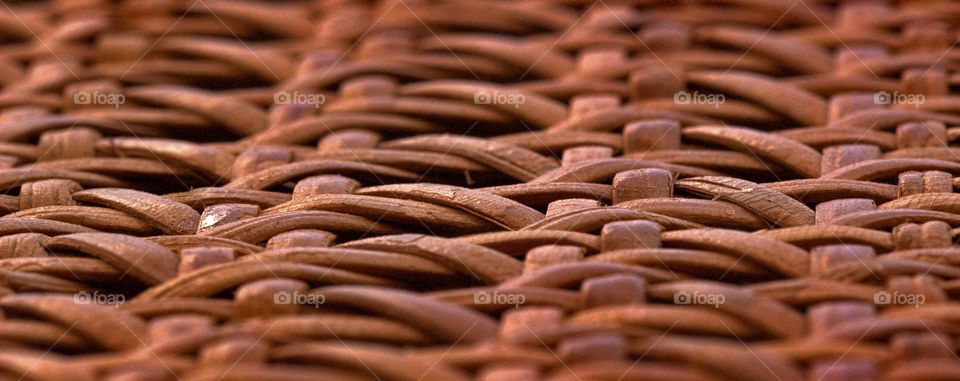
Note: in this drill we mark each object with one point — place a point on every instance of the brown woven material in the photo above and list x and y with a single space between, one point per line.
508 190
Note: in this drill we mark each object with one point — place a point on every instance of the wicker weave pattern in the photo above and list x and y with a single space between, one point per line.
479 190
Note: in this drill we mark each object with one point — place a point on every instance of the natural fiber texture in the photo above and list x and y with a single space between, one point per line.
508 190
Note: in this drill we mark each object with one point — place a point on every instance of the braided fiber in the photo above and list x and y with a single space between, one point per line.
510 190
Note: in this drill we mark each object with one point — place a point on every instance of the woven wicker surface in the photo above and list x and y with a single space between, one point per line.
478 190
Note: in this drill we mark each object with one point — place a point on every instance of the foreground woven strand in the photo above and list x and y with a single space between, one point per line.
479 190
